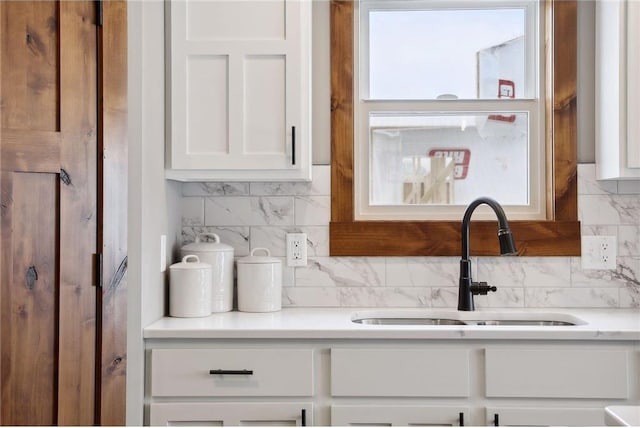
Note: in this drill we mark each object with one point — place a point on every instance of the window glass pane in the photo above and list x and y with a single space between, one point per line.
448 159
447 53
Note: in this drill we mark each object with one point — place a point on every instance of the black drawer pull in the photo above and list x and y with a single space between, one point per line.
231 372
293 145
303 418
496 420
461 419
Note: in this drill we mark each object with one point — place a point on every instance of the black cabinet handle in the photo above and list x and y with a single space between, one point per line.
303 418
231 372
461 419
496 420
293 145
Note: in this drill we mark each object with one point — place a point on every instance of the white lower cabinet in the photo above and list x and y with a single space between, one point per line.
185 381
388 383
231 414
543 416
398 415
416 372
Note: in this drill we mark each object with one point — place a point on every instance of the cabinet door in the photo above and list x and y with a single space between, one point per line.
617 59
540 416
239 89
557 373
399 372
633 84
376 415
231 414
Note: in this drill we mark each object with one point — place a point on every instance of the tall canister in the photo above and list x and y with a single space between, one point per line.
220 257
259 282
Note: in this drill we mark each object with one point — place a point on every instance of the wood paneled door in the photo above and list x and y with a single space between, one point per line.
62 139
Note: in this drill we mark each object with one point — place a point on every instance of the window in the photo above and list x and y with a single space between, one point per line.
370 220
449 108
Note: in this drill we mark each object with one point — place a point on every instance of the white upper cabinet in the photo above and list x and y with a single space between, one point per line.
239 90
617 89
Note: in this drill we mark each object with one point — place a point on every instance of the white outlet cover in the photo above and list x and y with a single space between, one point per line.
599 252
296 249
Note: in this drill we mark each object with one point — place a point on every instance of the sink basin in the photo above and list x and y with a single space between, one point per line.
551 323
411 317
408 321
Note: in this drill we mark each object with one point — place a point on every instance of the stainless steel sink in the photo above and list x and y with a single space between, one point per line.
549 323
416 317
408 321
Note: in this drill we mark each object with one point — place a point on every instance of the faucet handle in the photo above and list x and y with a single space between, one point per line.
481 288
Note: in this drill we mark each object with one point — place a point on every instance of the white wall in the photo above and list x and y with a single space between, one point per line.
153 202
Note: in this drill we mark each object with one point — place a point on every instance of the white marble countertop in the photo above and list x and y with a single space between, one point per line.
335 323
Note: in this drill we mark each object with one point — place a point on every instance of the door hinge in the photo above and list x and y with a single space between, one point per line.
99 13
98 278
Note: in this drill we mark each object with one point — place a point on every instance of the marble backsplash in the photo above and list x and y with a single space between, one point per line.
250 215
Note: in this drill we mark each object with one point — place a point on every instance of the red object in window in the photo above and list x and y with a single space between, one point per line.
506 89
461 158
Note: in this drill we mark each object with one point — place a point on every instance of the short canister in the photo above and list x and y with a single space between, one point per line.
259 282
190 288
220 257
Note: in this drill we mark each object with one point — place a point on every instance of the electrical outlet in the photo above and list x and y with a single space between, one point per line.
296 249
598 252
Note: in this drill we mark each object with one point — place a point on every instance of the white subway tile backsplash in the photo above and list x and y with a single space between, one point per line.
609 209
628 240
259 214
312 210
630 297
592 277
399 297
310 296
192 212
422 271
249 211
571 297
320 186
504 297
341 272
525 271
444 297
215 189
279 189
237 237
271 237
588 185
317 240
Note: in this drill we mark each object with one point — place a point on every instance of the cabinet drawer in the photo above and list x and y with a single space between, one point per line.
399 372
563 373
398 415
231 414
275 372
545 416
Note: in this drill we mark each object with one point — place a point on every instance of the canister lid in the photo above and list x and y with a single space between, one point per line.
195 263
201 246
259 259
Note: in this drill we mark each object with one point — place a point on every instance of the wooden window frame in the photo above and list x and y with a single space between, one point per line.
559 235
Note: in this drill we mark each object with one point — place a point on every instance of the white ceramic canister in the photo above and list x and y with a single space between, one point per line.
190 288
259 282
220 257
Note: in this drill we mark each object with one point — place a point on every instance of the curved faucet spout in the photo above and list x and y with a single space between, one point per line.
467 288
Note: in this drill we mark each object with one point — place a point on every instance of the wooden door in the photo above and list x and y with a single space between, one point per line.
49 212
